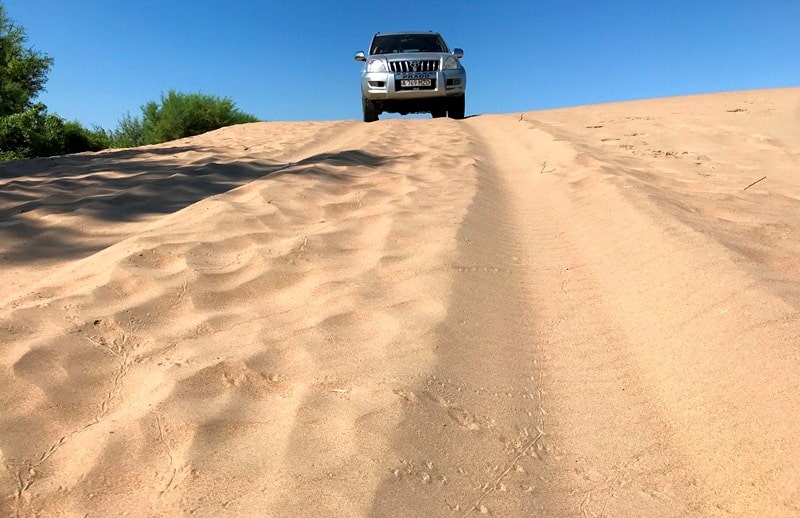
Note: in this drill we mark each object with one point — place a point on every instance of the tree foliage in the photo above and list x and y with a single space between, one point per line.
23 71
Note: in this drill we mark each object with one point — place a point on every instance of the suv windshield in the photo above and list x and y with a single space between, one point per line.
400 43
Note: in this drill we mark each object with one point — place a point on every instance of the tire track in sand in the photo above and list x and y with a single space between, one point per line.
534 406
472 436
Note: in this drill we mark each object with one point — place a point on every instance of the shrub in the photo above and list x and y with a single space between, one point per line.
34 133
184 115
129 132
77 138
31 133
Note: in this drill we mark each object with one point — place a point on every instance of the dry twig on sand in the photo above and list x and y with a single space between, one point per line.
752 184
544 164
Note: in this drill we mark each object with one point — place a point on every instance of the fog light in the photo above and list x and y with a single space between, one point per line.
377 84
453 82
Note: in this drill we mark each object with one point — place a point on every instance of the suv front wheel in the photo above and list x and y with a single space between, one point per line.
439 112
370 110
456 107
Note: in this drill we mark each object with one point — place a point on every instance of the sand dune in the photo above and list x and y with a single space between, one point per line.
580 312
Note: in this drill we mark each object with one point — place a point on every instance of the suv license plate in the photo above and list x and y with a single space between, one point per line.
410 83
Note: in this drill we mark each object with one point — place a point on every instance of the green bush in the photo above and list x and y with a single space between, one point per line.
129 132
31 133
78 139
182 115
34 133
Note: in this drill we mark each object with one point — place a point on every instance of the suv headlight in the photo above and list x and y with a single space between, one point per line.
450 63
376 65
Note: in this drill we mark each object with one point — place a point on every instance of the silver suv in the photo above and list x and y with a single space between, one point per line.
412 72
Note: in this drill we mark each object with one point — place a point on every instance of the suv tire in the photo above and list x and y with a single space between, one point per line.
456 107
370 110
439 112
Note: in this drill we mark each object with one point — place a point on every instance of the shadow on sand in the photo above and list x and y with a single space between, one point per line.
126 186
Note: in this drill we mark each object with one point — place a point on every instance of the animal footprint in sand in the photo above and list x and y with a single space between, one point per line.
463 418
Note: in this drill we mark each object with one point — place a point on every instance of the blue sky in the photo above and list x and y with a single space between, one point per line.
284 60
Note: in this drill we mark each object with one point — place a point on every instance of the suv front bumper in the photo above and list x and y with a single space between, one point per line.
386 86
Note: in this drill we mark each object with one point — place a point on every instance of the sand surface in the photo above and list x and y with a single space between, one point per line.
577 312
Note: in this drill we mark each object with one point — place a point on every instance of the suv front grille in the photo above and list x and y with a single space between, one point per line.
413 65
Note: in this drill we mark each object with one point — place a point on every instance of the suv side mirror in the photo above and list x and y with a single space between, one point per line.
360 56
459 53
